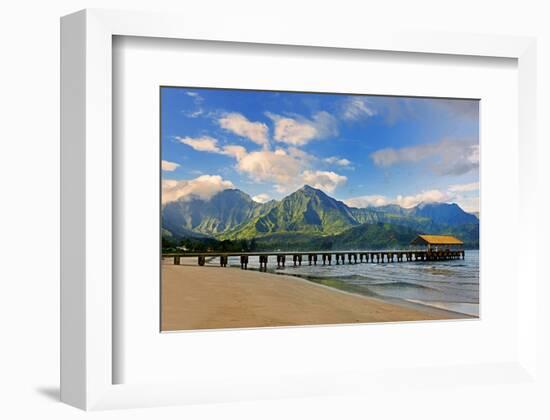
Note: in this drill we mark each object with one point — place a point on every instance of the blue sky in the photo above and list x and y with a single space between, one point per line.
363 150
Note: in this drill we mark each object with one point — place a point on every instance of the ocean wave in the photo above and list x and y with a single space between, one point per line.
399 284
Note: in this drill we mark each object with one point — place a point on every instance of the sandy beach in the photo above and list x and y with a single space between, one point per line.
213 297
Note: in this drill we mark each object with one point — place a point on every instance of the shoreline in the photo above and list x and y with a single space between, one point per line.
209 297
419 305
414 304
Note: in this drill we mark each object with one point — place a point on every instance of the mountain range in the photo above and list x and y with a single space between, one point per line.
309 218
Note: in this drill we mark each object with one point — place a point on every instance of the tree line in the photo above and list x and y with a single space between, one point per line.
208 245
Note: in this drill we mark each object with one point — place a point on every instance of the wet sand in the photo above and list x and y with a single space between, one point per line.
196 297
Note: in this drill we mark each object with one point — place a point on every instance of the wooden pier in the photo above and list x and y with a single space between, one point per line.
433 248
321 257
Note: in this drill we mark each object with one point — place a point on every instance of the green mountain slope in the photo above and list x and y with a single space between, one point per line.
224 211
307 210
375 236
365 236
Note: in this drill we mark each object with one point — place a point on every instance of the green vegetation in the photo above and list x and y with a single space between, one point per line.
307 219
208 245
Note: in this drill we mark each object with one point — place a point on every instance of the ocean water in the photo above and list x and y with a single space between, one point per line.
451 285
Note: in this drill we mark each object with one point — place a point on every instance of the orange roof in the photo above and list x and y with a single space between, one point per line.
437 240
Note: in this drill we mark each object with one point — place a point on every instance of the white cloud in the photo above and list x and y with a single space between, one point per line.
305 158
473 186
209 144
267 166
203 187
407 201
195 96
298 153
333 160
367 201
324 180
299 131
465 195
194 114
288 130
356 108
469 203
452 157
261 198
286 169
169 166
197 100
240 125
430 196
238 152
201 144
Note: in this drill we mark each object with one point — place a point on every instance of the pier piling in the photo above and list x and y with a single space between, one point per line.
223 260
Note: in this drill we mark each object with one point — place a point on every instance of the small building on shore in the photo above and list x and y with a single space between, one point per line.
438 242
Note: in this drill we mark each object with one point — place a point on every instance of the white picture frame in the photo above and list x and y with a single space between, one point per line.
86 130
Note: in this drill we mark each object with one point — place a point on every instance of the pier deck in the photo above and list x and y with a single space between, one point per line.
322 257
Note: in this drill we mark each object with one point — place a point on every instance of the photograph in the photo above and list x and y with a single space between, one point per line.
283 208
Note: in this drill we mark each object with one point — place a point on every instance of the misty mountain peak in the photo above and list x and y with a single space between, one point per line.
234 192
308 189
311 191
